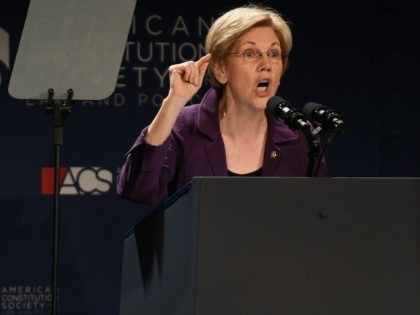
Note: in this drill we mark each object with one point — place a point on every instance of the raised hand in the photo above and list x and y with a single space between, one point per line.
186 78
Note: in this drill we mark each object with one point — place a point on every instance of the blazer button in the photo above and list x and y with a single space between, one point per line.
273 154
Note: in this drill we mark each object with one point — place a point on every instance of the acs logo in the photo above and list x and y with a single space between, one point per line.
77 180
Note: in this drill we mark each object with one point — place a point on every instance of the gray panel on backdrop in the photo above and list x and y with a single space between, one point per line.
75 44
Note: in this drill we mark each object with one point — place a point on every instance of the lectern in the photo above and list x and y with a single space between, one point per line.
272 246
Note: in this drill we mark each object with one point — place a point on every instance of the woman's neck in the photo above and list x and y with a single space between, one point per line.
243 122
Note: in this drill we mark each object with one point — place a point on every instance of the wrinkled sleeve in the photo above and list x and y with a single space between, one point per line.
148 170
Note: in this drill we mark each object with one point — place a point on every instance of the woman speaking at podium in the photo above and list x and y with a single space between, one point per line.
228 133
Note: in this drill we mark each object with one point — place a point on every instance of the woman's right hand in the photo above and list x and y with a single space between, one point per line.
187 78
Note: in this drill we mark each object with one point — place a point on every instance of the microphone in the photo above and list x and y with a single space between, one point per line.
281 109
324 116
295 120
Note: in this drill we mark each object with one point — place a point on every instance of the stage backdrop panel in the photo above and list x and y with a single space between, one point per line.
358 57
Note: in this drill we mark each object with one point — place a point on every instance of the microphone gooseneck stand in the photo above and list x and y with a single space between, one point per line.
59 109
331 137
326 119
313 151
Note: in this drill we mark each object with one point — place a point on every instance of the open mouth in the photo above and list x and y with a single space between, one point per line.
263 85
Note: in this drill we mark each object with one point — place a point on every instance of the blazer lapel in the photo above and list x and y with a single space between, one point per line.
208 125
216 158
278 134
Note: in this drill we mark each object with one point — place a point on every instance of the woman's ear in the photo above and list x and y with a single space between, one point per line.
220 73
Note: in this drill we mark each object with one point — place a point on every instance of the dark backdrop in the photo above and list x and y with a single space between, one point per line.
358 57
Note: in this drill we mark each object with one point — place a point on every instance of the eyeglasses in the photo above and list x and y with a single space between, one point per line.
253 55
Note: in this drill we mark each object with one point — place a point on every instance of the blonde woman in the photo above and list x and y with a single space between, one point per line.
228 133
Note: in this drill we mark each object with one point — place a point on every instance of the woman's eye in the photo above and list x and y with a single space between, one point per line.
249 53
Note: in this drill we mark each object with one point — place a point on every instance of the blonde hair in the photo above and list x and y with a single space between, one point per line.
231 25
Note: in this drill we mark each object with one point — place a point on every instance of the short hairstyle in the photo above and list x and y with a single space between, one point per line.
231 25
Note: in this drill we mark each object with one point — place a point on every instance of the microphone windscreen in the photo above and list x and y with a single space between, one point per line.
309 108
273 102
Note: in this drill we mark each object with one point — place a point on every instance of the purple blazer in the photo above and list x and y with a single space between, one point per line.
195 148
